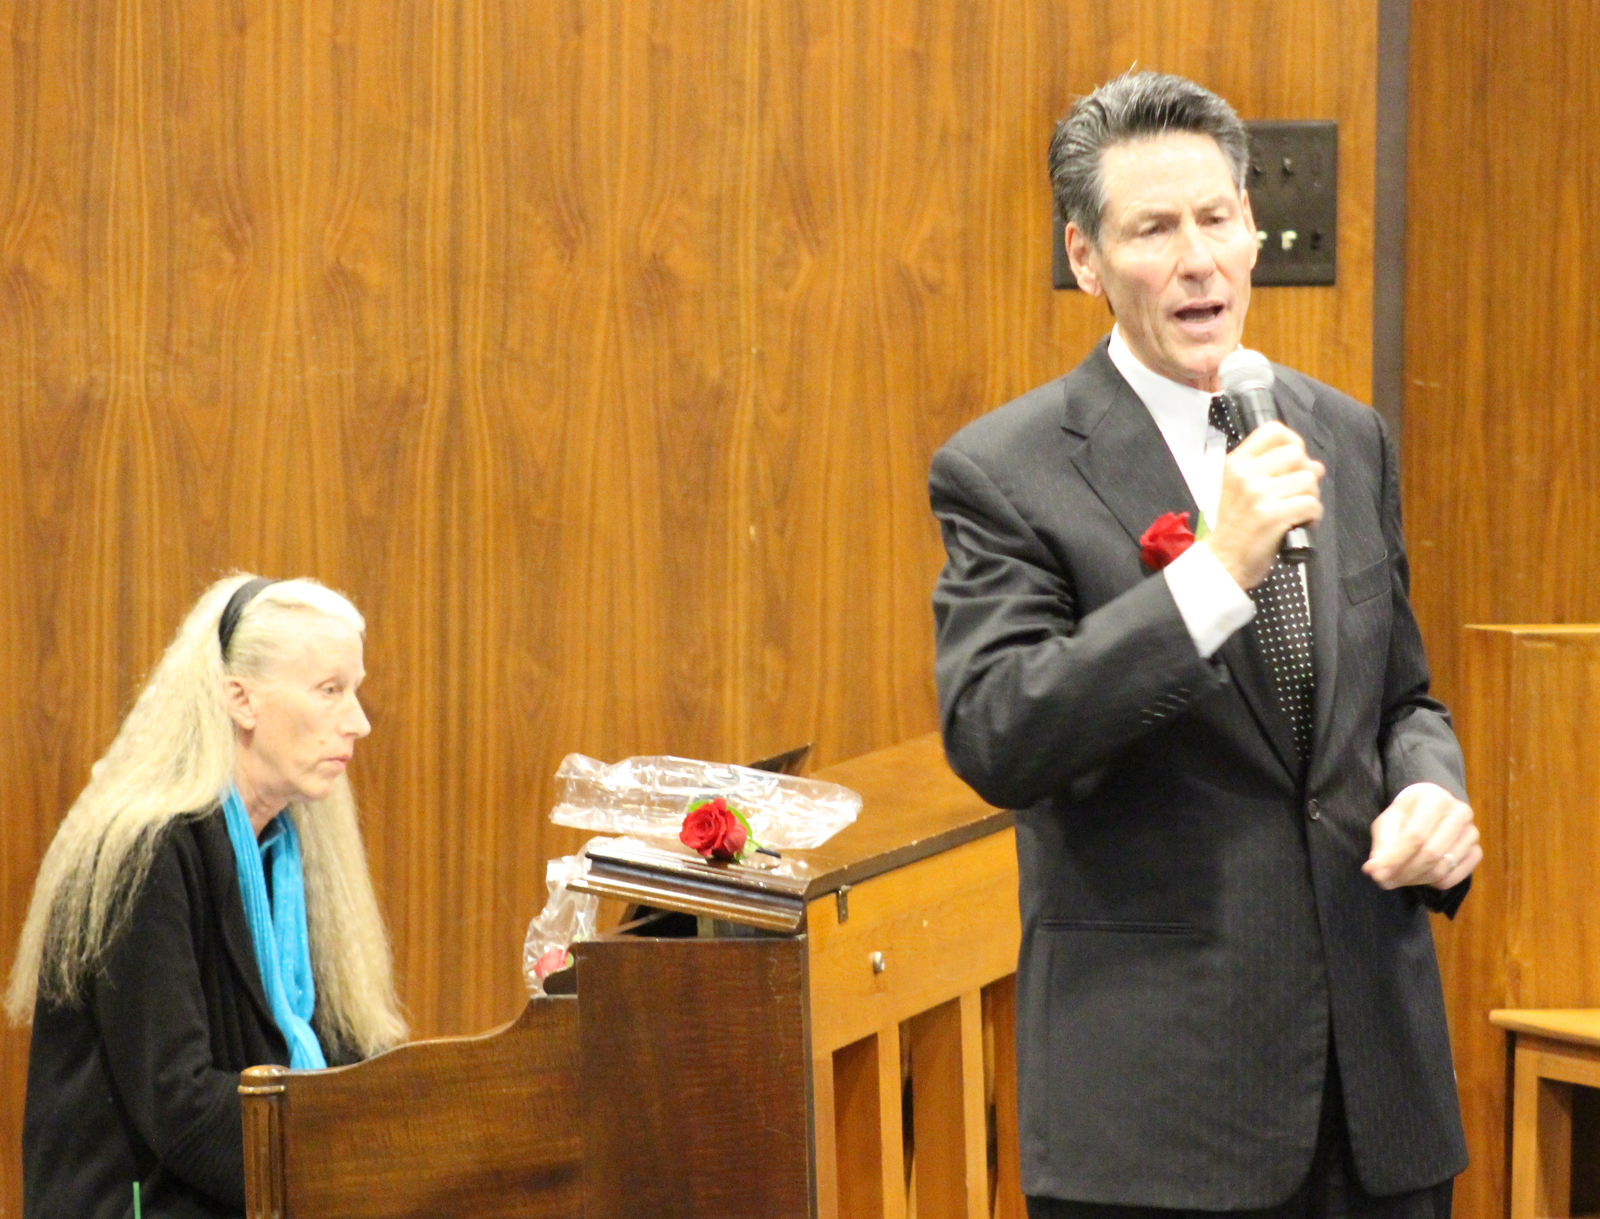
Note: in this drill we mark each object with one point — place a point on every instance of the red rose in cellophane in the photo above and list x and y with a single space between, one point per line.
554 959
714 829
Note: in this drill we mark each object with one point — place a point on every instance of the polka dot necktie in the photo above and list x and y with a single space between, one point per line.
1283 622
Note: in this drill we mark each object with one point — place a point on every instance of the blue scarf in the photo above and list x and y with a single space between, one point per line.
277 928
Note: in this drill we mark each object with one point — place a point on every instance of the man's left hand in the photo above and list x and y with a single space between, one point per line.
1426 837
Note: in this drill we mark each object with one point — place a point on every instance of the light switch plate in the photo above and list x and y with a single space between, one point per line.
1294 194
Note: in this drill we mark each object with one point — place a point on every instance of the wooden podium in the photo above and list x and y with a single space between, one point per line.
764 1067
1527 935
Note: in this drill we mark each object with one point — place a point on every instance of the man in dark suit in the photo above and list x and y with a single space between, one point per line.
1236 801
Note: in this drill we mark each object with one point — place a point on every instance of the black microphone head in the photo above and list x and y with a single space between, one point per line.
1245 370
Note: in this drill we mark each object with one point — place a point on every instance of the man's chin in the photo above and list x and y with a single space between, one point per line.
1202 364
1199 374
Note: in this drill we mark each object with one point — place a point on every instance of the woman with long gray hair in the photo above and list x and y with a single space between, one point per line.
205 907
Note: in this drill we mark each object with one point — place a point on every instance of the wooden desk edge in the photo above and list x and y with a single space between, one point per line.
993 822
1565 629
1580 1025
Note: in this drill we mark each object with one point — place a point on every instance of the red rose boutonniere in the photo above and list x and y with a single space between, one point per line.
716 830
1169 536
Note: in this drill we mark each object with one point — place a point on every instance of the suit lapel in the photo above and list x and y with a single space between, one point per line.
1124 459
1126 462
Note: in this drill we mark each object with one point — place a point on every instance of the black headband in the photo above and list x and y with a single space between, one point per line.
234 610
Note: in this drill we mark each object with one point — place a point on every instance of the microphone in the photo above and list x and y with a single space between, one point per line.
1247 384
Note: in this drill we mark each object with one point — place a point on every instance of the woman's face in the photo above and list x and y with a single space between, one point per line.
298 724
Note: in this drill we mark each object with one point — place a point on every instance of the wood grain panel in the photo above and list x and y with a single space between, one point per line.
1522 940
912 917
597 348
950 1176
1501 351
488 1127
1502 327
694 1058
1471 947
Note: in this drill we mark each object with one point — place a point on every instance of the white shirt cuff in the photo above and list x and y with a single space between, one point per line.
1212 604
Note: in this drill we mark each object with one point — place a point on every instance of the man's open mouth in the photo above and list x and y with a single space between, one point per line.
1200 313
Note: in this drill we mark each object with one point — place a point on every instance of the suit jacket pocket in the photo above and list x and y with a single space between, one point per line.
1122 926
1366 582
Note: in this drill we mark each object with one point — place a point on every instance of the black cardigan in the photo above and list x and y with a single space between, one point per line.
141 1081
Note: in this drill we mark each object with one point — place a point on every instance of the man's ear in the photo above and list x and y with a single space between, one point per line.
1078 251
1250 226
240 701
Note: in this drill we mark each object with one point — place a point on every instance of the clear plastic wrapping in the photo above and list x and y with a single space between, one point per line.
649 796
566 918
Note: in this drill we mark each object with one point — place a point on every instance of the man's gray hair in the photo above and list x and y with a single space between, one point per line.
1134 106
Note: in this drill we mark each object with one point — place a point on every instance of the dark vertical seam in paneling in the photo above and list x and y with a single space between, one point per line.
1389 213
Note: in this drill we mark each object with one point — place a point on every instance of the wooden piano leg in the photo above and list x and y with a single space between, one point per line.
1553 1195
1000 1002
871 1156
975 1125
952 1169
261 1098
891 1126
1541 1139
824 1129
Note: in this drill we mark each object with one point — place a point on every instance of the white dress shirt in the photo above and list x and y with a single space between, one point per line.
1212 604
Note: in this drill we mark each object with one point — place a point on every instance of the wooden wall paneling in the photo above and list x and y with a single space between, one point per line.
1502 327
893 274
21 826
455 845
77 411
1392 87
1480 930
1555 819
1501 335
618 346
1529 728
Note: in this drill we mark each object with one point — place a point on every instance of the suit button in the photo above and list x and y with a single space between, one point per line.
1313 810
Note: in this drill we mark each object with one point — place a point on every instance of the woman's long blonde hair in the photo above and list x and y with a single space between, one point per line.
174 756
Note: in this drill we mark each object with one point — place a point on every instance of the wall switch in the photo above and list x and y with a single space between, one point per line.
1293 184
